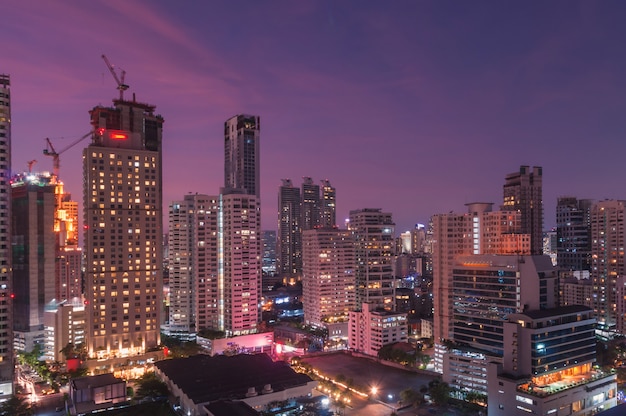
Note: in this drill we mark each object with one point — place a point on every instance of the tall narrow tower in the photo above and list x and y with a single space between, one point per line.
374 239
329 208
289 239
242 157
6 307
310 204
123 229
523 192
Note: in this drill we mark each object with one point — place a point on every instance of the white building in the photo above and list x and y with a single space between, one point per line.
371 329
328 276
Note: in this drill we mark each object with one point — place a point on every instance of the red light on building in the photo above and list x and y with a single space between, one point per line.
12 295
119 136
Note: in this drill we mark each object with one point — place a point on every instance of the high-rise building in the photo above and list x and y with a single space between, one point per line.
310 208
34 253
328 200
479 231
69 255
486 289
6 284
239 279
523 192
289 241
242 157
328 276
193 265
374 239
123 238
372 328
607 259
573 227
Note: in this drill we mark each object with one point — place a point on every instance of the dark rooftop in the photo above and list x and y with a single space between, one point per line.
560 311
230 408
95 381
204 378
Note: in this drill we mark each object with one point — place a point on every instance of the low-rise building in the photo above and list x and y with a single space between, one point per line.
372 328
255 379
96 393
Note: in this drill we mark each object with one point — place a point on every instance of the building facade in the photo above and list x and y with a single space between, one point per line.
193 265
34 255
242 155
371 328
123 238
239 270
329 205
374 239
523 192
607 259
289 238
548 366
6 284
328 290
310 209
573 230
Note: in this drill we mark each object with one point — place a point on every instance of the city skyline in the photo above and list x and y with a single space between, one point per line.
415 108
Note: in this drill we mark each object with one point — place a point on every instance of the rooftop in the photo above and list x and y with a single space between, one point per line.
204 378
95 381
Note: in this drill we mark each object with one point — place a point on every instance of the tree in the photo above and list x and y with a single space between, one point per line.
411 397
150 386
439 392
16 406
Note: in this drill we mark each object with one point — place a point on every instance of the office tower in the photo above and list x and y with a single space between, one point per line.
193 265
329 208
523 193
310 208
486 289
607 259
374 239
242 158
123 238
289 261
239 279
34 253
479 231
270 277
573 251
6 307
327 276
549 366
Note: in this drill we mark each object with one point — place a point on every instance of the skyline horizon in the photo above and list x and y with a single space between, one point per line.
413 108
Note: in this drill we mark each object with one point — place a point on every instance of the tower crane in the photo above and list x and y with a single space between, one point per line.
50 151
119 80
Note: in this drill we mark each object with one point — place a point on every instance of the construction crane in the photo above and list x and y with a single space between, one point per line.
120 81
30 165
50 151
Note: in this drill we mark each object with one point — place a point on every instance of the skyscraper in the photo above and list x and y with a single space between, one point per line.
289 239
573 247
69 255
328 210
374 239
6 288
523 192
328 276
123 229
239 285
193 264
34 253
310 208
607 259
479 231
242 158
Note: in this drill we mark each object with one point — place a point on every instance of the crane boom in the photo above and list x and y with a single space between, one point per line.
50 151
119 80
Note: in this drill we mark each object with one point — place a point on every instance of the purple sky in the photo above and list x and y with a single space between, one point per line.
415 107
